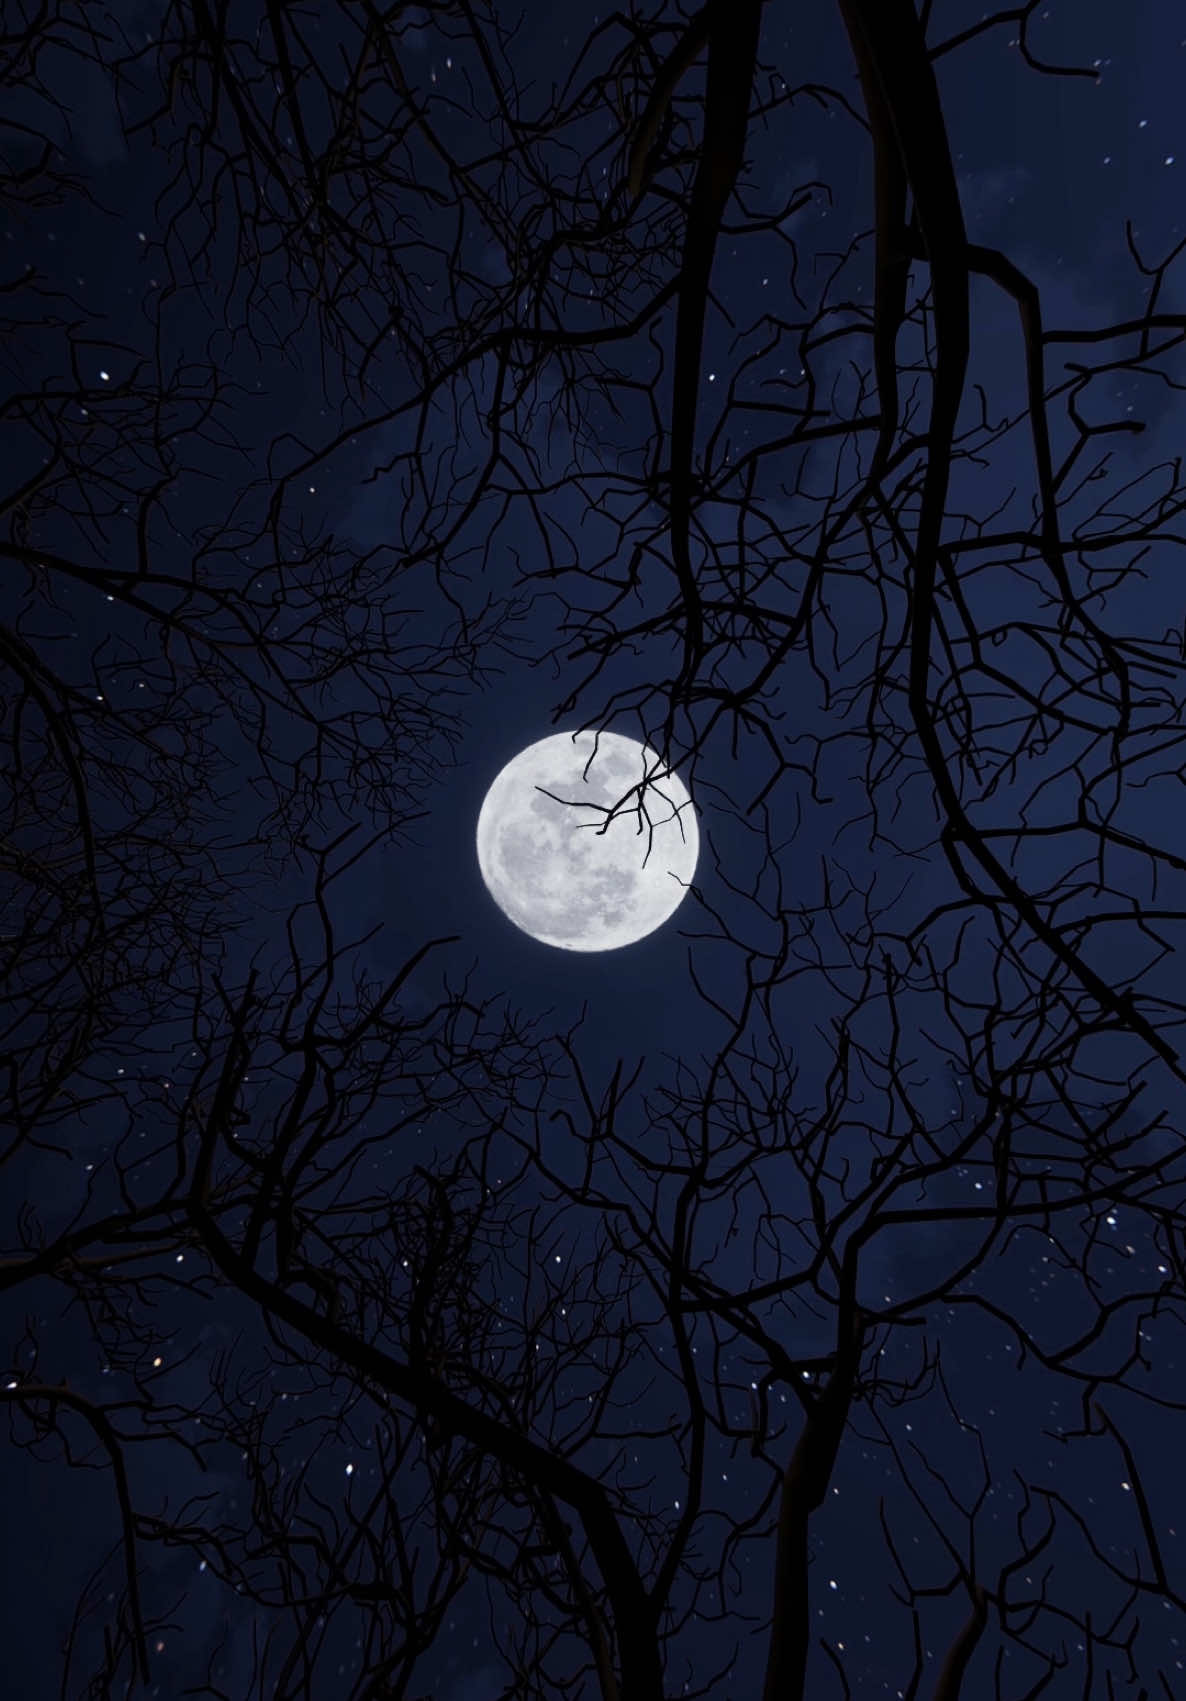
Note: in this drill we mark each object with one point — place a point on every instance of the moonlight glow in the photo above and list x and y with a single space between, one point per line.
558 871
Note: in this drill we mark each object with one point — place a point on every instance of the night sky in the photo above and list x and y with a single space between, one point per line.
183 444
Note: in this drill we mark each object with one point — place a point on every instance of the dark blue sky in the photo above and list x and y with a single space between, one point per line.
1049 169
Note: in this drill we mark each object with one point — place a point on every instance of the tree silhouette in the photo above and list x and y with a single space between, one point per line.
432 1316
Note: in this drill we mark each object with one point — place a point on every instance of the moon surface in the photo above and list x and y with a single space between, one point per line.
553 865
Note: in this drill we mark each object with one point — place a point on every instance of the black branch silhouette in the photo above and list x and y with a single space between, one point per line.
431 1317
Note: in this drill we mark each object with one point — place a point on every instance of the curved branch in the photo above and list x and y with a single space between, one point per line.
98 1420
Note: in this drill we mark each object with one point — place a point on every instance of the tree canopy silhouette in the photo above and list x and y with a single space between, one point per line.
391 1307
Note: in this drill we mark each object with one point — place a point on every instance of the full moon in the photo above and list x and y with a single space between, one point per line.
553 865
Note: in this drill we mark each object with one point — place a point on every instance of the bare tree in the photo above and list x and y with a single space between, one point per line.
192 685
595 1379
609 1368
